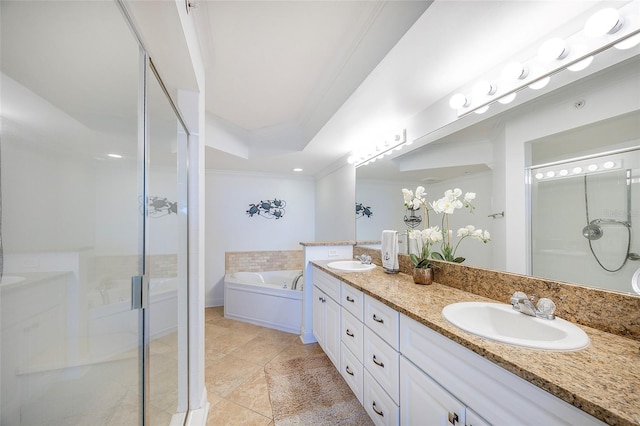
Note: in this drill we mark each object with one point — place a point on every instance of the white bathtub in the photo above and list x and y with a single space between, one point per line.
113 326
265 298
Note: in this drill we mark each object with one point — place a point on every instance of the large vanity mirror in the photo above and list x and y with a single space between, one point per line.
565 225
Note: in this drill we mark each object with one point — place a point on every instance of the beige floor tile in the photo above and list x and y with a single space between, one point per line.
280 336
296 350
253 394
228 373
223 340
213 313
226 413
259 350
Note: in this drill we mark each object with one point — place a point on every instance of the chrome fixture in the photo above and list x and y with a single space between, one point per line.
365 259
294 283
544 309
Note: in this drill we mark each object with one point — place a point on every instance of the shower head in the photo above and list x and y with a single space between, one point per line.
592 231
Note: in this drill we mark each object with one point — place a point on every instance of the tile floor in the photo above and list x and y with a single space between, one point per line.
235 356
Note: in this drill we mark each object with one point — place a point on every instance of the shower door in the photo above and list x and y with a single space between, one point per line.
166 258
91 196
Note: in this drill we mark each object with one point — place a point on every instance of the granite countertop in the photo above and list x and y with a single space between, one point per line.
602 379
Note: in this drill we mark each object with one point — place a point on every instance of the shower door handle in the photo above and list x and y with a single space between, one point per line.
139 295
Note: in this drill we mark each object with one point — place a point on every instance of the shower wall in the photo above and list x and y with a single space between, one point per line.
559 249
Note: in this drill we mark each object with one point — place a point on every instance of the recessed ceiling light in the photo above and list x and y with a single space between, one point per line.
297 169
114 155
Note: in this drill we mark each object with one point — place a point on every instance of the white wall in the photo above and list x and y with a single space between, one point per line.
229 228
335 205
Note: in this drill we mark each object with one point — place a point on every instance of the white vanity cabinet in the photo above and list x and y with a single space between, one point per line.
459 383
326 314
352 337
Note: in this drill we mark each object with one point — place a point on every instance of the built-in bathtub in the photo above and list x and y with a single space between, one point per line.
265 298
113 326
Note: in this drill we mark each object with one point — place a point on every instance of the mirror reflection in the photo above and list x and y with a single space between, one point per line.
592 117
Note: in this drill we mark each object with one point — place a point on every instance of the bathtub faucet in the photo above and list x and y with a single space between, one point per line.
294 283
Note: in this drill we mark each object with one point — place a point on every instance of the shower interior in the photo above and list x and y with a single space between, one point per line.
582 227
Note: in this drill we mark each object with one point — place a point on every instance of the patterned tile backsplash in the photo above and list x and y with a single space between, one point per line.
256 261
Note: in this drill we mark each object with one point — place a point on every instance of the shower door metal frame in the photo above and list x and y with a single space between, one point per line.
140 284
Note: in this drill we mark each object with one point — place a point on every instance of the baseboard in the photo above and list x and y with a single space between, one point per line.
214 302
307 338
199 417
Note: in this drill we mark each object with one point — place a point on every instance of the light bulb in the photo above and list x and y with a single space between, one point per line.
577 170
507 99
458 101
592 167
608 165
515 71
540 83
564 172
579 66
483 88
553 49
604 21
539 176
551 174
628 43
482 110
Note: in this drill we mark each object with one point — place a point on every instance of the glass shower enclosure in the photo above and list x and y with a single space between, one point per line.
93 184
584 219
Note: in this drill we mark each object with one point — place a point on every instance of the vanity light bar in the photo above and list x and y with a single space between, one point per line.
579 168
575 53
365 157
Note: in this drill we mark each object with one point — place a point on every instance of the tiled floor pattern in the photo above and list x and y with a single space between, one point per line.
235 356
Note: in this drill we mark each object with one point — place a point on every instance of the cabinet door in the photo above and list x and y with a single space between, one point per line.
332 330
318 315
473 419
424 402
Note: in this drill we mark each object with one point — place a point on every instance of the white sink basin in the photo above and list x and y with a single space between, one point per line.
350 266
500 322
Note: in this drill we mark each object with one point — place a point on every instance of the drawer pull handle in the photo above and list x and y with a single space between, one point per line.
349 299
378 412
376 319
348 370
452 417
376 362
349 333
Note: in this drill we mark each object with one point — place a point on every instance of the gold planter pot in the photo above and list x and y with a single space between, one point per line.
423 276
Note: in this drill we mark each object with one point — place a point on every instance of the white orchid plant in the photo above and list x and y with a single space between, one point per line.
430 235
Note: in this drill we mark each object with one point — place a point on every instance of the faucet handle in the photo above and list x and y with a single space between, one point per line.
517 297
546 307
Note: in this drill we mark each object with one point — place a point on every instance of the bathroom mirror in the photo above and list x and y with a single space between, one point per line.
590 117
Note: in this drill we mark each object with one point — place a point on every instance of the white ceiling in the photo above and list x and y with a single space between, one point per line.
302 83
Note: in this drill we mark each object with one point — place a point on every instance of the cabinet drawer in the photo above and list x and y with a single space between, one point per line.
380 407
352 372
383 320
352 334
382 362
352 300
325 282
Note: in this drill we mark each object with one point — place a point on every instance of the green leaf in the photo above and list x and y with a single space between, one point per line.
437 256
414 259
459 259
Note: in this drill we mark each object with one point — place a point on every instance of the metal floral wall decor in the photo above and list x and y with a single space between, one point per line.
362 210
269 209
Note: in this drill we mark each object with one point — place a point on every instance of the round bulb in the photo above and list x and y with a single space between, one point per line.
579 66
482 110
629 43
351 159
540 83
577 170
507 99
592 167
539 176
604 21
515 71
564 172
551 174
553 49
483 88
458 101
608 165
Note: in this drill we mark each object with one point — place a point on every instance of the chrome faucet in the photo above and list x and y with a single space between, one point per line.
364 258
545 307
294 283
